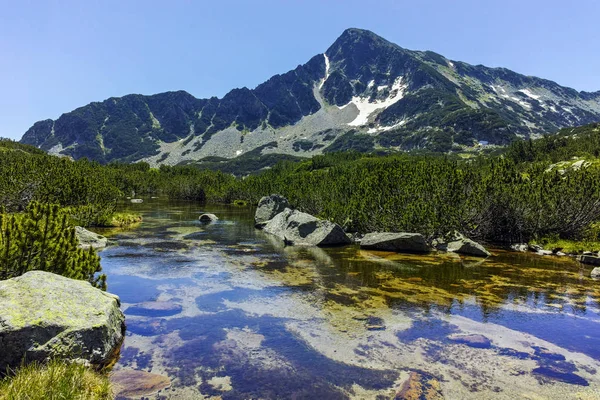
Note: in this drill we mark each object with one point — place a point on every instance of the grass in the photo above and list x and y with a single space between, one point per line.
123 219
54 381
570 246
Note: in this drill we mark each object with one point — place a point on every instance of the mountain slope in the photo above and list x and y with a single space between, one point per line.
363 92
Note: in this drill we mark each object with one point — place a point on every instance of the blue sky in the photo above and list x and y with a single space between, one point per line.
59 55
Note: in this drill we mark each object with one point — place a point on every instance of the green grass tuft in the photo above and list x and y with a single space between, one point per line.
56 380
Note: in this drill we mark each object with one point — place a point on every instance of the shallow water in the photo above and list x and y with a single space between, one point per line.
250 318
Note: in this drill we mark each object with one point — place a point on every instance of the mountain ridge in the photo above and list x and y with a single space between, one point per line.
363 88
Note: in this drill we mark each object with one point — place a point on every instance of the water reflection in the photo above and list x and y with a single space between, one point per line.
255 318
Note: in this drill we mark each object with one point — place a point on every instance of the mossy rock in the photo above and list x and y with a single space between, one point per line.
45 316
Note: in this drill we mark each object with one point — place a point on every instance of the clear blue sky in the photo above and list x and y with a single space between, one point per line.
59 55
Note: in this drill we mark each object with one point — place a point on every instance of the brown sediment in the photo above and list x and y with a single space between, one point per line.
420 387
134 384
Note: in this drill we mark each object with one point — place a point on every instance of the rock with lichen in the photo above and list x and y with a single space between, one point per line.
44 316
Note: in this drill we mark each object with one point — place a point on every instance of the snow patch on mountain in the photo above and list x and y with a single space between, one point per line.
528 93
366 108
327 68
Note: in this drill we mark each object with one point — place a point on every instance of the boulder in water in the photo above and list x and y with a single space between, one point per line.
269 207
208 218
399 242
298 228
457 243
588 259
43 316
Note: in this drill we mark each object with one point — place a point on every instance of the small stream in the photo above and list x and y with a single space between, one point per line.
240 316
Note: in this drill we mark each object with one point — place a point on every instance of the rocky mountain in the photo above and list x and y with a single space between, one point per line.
363 93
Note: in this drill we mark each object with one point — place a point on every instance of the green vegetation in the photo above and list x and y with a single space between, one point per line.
54 381
514 196
41 238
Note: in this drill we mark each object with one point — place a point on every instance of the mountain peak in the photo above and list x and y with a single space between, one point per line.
358 39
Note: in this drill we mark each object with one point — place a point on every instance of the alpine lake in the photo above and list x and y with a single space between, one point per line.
227 311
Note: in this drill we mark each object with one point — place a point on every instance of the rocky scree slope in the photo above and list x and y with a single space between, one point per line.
363 93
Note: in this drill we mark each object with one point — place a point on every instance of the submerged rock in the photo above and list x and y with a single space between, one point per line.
89 239
43 316
591 260
135 384
155 309
473 340
208 218
298 228
269 207
398 242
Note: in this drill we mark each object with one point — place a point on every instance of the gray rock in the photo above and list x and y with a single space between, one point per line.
522 247
595 273
269 207
591 260
472 340
137 201
208 218
43 315
298 228
439 244
89 239
467 247
398 242
543 252
535 247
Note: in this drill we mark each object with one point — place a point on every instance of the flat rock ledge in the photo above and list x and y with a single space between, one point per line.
402 242
43 316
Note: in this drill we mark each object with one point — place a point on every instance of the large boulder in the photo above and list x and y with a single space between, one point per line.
398 242
298 228
588 259
595 273
89 239
269 207
43 315
457 243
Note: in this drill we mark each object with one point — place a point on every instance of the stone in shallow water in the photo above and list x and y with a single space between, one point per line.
398 242
298 228
477 341
269 207
208 218
591 260
155 309
134 384
43 315
595 272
